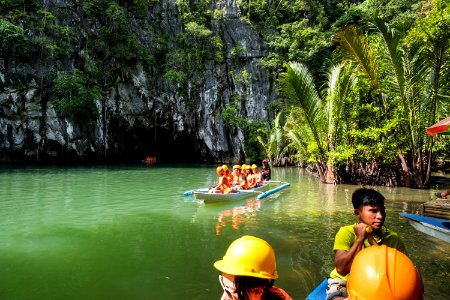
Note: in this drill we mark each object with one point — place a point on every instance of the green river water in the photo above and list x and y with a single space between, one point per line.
127 232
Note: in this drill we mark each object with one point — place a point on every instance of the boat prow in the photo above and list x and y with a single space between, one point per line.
438 228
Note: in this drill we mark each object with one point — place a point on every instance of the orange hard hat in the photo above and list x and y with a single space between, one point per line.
381 272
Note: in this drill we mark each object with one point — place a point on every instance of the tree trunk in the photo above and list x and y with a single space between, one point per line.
327 173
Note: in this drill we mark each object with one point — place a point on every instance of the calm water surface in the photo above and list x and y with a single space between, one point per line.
129 233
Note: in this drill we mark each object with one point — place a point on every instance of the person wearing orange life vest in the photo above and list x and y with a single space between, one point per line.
228 175
382 272
244 174
218 171
257 175
249 178
238 182
222 185
249 271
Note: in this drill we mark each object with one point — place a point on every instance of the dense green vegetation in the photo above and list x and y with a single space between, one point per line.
75 99
359 80
385 84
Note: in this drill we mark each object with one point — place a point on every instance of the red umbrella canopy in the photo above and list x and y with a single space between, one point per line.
442 127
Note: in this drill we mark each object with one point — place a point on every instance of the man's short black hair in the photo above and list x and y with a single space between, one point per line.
365 196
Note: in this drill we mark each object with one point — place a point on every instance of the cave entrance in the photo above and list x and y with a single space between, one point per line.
167 147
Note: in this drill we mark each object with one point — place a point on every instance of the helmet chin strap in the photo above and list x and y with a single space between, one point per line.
228 287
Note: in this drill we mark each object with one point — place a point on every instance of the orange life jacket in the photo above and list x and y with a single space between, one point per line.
238 179
230 178
224 187
258 178
250 181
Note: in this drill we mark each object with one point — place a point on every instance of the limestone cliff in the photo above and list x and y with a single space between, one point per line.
141 111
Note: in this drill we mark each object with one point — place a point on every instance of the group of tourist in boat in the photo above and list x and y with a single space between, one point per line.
243 177
370 262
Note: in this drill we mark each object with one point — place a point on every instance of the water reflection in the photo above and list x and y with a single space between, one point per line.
129 233
235 216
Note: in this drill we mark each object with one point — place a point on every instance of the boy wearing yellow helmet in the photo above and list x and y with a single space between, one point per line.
249 271
368 206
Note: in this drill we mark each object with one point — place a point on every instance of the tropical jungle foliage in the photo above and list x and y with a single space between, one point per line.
385 84
74 98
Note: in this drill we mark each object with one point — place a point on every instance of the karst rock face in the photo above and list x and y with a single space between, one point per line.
141 111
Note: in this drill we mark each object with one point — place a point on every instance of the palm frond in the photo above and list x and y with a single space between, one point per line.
273 140
297 87
392 39
341 79
360 51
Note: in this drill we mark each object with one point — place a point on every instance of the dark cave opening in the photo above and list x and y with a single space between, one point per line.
164 145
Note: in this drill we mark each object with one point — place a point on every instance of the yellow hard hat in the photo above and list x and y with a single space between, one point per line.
225 167
254 166
249 256
380 272
248 167
219 169
236 167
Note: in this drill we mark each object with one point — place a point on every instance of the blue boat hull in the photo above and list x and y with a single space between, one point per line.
439 228
320 292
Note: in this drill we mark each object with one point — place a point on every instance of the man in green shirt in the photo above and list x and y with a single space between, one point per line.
350 239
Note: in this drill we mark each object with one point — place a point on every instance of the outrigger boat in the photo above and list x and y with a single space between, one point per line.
439 228
261 191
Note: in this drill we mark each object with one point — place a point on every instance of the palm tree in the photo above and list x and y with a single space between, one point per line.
273 140
320 115
406 77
